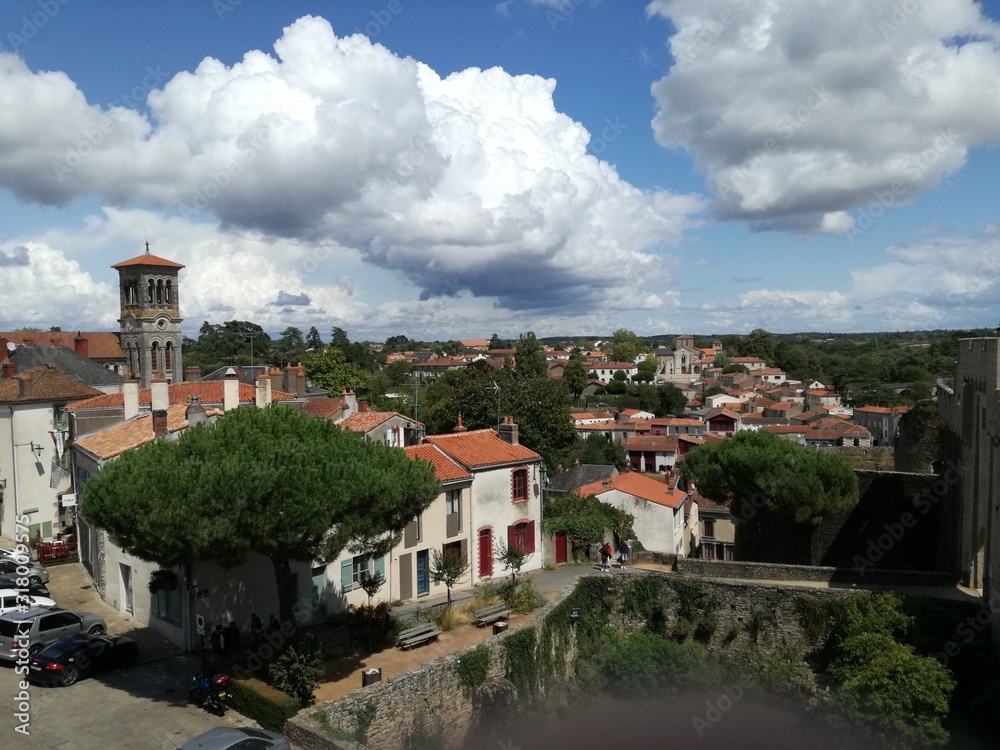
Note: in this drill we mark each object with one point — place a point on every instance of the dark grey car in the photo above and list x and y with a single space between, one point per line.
38 627
237 738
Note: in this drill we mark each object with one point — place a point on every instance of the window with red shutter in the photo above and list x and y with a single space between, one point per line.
519 485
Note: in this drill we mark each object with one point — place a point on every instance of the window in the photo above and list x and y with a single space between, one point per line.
352 569
168 606
519 489
454 548
522 536
709 530
453 502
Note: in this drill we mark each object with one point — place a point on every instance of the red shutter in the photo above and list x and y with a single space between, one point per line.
511 536
529 536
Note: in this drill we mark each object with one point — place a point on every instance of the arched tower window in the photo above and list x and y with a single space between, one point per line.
168 352
152 285
154 349
159 292
167 290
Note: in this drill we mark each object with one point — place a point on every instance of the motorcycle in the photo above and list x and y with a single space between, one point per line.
209 693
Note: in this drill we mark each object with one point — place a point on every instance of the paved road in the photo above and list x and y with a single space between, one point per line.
141 708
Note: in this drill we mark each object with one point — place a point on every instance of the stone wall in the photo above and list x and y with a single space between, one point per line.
752 571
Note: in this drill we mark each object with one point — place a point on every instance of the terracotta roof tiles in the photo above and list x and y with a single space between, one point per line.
445 469
637 485
46 385
480 448
210 391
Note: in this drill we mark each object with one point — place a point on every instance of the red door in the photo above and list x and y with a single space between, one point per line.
485 553
560 548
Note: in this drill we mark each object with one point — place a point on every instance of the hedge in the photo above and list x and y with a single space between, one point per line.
266 705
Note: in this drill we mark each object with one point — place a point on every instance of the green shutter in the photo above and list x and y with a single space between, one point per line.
347 574
380 565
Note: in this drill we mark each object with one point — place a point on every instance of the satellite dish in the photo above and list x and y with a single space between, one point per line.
11 346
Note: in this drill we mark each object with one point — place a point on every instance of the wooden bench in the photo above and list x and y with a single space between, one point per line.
487 615
418 634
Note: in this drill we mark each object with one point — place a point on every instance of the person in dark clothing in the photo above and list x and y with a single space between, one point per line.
218 642
623 552
605 557
256 629
232 640
273 626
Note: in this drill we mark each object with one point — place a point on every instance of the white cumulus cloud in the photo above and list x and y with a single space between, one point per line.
800 110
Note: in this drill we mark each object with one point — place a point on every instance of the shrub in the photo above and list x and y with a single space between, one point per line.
473 667
298 669
898 696
449 618
261 702
641 662
523 599
373 625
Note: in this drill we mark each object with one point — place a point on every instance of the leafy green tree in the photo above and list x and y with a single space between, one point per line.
575 377
625 345
900 697
398 372
760 343
448 568
778 490
313 340
530 357
297 670
272 481
595 450
584 519
646 370
330 369
512 558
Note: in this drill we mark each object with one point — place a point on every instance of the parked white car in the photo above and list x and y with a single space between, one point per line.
9 601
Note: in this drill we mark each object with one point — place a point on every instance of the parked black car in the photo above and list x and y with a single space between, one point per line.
10 582
75 656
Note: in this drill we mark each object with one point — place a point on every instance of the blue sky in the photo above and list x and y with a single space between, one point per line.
455 169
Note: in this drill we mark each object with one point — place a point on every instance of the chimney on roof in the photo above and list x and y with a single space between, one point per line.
192 374
508 431
275 374
263 391
300 386
29 342
159 422
362 406
459 427
230 390
55 340
352 401
26 388
195 412
345 410
239 371
576 463
80 345
8 369
130 394
159 393
606 484
291 380
559 469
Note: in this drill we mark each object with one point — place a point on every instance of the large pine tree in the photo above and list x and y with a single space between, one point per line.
273 481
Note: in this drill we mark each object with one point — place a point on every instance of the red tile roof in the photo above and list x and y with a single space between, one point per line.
328 408
445 469
100 344
480 448
656 443
210 391
134 433
46 385
147 259
637 485
364 422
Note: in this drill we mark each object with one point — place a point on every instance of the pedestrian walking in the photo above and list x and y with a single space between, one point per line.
623 553
605 557
256 629
218 642
273 626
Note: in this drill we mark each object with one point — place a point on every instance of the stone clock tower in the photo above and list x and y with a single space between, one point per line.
150 318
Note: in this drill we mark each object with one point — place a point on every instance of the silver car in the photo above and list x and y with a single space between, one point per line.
233 738
38 627
34 572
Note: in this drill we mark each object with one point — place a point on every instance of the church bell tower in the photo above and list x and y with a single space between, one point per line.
150 317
